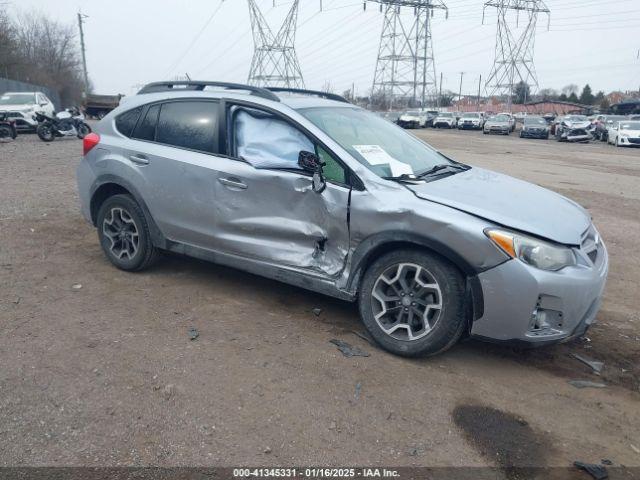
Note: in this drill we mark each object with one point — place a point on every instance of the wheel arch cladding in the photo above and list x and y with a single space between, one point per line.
374 247
106 187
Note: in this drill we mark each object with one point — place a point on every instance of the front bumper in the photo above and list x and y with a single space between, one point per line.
516 295
22 120
409 123
538 133
503 130
629 141
441 123
470 126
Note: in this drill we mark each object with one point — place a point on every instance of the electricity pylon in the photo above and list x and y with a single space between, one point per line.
274 63
513 61
405 69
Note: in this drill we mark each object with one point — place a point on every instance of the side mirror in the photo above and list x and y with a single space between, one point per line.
310 162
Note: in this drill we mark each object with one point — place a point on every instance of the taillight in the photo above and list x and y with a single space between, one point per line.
90 141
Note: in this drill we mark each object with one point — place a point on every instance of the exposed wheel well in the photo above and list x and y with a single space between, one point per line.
101 194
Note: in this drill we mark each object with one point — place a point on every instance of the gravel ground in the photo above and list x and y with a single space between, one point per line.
98 368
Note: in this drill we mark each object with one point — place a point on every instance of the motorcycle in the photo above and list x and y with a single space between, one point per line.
8 129
68 123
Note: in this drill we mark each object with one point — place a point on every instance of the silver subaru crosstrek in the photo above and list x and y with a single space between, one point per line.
305 188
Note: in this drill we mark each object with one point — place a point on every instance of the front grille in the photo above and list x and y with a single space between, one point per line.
576 132
634 140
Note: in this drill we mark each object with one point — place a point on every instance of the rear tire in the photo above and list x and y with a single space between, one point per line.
124 235
413 320
83 130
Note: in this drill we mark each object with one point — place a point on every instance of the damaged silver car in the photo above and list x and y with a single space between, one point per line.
305 188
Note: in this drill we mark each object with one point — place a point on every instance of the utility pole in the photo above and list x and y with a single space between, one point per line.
405 68
460 93
440 92
81 18
479 83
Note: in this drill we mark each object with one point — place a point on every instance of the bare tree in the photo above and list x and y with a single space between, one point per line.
44 52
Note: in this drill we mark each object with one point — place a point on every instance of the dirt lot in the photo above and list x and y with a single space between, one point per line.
105 373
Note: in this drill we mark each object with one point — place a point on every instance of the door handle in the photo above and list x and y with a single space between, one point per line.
233 183
139 159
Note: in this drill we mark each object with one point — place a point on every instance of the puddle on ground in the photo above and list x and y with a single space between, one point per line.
503 438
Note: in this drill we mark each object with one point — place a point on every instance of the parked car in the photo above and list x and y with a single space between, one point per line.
602 124
573 128
624 133
534 127
471 120
512 120
500 123
21 108
445 120
310 190
413 119
431 116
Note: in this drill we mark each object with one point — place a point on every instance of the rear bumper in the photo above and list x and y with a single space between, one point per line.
85 178
516 296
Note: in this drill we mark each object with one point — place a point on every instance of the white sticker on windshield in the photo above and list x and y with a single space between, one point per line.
5 98
376 155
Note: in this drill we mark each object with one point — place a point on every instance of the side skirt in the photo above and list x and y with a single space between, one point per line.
291 276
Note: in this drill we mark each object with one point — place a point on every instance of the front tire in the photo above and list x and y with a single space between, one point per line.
6 134
124 235
413 303
45 132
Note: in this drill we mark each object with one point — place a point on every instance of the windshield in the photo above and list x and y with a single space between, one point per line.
629 125
499 118
471 115
535 121
382 147
413 113
17 99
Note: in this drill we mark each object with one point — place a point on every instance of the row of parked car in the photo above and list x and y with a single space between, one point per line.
617 130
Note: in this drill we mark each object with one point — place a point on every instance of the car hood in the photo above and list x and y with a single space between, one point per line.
448 119
15 108
497 124
577 124
409 117
631 133
509 202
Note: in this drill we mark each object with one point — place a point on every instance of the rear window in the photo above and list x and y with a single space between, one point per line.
126 122
189 124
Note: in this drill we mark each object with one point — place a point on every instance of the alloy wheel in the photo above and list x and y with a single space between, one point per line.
122 232
407 301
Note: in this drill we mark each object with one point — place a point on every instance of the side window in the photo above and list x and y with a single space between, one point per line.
126 122
266 141
333 171
189 124
146 128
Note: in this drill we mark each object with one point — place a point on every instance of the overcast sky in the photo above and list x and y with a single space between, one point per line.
137 41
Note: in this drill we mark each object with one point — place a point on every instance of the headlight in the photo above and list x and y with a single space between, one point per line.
624 135
534 252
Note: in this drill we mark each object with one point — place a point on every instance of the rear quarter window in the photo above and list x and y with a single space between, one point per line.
126 122
146 128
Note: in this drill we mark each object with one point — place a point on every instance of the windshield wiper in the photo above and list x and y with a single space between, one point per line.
441 167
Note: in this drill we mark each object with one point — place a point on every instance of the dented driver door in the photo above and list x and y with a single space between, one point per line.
265 207
275 216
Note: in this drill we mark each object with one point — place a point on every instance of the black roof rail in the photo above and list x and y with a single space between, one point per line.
316 93
195 85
